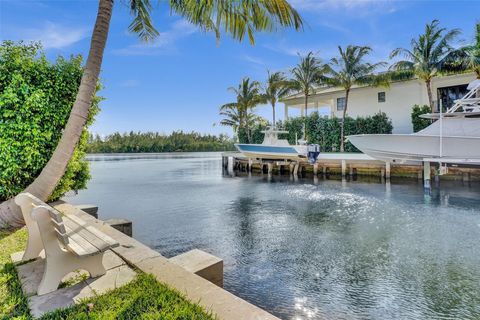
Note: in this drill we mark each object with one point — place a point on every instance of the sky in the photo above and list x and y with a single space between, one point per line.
180 81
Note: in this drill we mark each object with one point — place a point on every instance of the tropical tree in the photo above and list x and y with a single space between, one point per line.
466 57
348 69
305 76
239 114
427 56
276 88
237 18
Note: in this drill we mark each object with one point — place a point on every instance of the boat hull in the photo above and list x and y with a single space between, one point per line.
415 147
266 152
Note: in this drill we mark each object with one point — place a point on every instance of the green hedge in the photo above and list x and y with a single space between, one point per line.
417 122
36 97
326 131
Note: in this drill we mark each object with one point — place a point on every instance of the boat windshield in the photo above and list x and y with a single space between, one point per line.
271 138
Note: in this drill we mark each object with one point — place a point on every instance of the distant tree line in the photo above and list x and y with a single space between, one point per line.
177 141
324 131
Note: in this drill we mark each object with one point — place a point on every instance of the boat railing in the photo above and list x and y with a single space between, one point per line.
469 103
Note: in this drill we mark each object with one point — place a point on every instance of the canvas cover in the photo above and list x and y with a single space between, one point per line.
455 127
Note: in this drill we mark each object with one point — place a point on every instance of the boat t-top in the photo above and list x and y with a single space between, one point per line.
273 148
453 137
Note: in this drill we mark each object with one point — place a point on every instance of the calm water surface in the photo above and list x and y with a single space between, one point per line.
304 249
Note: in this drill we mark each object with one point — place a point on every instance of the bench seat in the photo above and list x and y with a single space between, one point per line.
68 241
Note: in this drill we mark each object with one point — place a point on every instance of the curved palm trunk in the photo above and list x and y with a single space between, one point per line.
342 127
430 96
45 183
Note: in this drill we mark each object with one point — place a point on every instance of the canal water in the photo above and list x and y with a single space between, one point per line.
305 249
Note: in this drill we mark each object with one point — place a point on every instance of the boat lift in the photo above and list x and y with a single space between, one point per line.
469 104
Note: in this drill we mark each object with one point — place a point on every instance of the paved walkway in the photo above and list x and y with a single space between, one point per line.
30 274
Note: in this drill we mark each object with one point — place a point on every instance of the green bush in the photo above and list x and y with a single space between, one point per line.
36 97
326 131
417 122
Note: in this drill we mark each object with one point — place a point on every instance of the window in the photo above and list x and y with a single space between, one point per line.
448 95
340 104
381 97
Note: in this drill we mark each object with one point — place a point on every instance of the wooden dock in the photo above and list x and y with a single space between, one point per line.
349 164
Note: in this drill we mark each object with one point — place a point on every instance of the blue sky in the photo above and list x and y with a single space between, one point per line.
180 81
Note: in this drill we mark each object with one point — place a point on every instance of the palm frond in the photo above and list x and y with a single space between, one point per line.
238 18
142 24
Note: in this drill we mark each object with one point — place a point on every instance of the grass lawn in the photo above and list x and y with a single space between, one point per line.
143 298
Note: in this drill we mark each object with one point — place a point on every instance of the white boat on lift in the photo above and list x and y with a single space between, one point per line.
273 148
454 137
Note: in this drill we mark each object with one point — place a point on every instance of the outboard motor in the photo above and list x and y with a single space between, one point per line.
313 152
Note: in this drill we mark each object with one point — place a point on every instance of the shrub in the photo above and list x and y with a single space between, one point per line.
417 122
326 131
36 97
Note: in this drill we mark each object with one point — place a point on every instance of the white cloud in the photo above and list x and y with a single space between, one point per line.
130 83
253 60
53 35
164 44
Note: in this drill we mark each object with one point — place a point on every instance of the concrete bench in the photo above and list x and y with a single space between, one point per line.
68 242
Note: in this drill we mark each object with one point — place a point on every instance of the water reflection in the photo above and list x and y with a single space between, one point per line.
307 248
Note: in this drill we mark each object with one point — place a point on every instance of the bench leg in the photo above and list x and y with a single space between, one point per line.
94 265
34 242
57 267
34 247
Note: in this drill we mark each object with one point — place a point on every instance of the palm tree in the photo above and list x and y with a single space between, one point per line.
277 87
427 56
237 18
350 69
239 114
305 76
232 116
467 57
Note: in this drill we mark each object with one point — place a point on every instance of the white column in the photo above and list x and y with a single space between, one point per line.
286 112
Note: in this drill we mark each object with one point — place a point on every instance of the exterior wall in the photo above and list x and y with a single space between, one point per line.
399 99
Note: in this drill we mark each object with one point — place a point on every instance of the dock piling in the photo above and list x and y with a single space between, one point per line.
344 168
270 167
295 169
426 174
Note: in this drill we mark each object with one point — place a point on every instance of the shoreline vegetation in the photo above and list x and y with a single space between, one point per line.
155 142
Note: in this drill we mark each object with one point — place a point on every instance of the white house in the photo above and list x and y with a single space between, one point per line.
396 101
